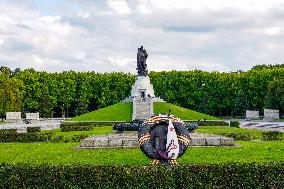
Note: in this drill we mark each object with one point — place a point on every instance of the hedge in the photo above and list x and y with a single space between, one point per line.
11 135
33 129
211 123
84 125
271 135
235 124
234 175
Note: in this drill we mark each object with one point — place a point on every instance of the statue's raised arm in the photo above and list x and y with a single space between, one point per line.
142 55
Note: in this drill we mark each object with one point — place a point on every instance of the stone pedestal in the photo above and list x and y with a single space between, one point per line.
142 96
142 91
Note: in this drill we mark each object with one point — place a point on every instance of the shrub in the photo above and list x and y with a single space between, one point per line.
239 136
33 129
235 124
68 128
271 135
235 175
212 123
84 126
8 135
34 137
13 136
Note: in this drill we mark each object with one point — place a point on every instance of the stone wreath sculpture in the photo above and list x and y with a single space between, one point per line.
163 138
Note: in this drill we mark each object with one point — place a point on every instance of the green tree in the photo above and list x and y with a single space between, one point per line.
275 95
10 94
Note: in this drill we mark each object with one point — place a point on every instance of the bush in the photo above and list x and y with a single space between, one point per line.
83 126
12 136
235 124
212 123
33 129
76 128
8 135
239 136
271 135
235 175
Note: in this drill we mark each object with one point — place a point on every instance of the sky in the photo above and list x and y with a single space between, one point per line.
104 35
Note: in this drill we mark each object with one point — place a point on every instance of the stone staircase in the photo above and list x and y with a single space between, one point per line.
142 109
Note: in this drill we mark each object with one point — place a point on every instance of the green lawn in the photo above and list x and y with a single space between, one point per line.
116 112
182 113
123 112
63 153
95 131
225 129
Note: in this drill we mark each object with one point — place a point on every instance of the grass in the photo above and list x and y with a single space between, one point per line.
63 154
96 131
182 113
116 112
123 112
224 129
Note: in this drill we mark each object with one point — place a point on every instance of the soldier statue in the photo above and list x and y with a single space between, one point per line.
141 62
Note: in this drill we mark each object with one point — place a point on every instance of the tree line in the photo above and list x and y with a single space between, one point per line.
71 93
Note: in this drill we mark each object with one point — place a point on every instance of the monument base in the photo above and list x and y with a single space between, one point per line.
129 139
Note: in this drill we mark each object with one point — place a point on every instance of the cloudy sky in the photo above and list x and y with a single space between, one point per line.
103 35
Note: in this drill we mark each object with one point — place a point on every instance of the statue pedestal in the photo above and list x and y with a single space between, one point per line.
143 91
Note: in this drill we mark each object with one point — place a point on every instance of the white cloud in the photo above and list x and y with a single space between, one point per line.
119 6
104 36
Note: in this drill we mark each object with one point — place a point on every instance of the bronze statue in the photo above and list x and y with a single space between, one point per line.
141 62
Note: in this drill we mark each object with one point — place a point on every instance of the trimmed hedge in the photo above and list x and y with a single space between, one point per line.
234 175
83 126
271 135
211 123
235 124
11 135
33 129
239 136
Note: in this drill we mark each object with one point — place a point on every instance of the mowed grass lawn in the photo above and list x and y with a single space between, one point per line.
224 129
64 153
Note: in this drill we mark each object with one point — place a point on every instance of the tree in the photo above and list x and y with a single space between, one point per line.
10 94
275 95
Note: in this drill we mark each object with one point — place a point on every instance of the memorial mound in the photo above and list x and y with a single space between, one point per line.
123 112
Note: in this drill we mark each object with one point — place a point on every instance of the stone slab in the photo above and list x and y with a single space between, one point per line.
250 114
214 141
13 116
271 114
32 116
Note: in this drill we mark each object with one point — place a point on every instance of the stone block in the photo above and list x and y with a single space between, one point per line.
213 141
227 141
101 143
32 116
250 114
87 143
114 142
130 142
197 142
271 114
13 116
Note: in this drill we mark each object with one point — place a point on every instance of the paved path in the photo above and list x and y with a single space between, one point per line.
271 126
49 124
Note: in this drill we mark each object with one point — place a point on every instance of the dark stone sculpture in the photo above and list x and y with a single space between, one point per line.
141 62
